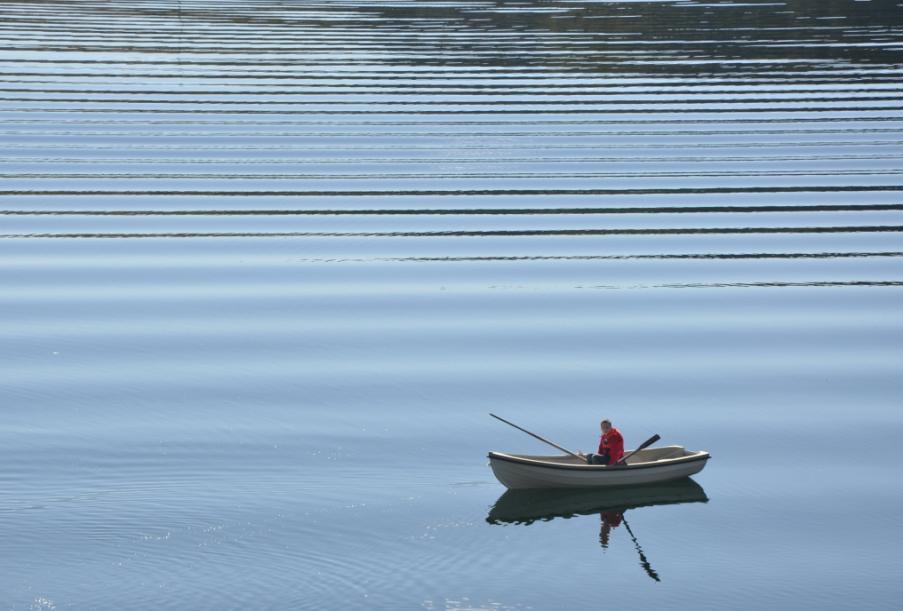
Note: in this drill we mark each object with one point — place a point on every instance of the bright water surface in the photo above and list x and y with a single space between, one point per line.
266 266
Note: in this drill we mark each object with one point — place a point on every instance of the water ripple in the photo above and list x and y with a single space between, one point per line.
247 246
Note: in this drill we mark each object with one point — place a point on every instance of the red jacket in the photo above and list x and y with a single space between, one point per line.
612 443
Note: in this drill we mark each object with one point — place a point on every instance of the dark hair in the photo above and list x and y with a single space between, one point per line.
606 421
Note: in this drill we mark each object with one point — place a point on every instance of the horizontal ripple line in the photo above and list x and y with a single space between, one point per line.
464 192
466 211
475 90
520 102
462 174
813 284
453 147
300 134
511 74
691 256
246 161
471 233
644 121
494 111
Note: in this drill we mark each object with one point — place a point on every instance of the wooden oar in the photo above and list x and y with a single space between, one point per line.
542 439
645 444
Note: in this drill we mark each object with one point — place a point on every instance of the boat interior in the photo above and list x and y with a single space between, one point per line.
649 455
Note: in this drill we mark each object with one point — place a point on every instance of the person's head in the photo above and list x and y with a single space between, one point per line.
606 426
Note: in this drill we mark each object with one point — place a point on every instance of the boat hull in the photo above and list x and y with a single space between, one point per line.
517 472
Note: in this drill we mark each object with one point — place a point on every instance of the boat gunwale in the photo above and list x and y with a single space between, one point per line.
665 462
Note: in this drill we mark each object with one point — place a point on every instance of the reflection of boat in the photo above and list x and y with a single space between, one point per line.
528 506
643 467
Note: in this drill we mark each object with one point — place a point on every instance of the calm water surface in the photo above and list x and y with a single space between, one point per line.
266 266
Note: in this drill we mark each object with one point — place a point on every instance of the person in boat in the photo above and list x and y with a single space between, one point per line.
611 446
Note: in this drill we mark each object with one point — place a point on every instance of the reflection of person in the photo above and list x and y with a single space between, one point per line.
610 519
611 446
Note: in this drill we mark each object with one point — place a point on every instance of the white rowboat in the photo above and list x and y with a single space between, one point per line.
649 466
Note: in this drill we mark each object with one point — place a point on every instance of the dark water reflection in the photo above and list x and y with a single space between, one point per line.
529 506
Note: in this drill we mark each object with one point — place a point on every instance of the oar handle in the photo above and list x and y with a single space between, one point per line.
542 439
643 445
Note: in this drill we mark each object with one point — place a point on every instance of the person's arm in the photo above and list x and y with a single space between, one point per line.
617 448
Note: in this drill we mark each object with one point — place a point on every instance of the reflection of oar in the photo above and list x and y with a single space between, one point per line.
649 570
542 439
643 445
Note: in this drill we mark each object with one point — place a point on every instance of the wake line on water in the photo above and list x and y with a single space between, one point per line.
463 174
526 102
603 89
467 192
466 211
756 121
646 107
655 257
583 133
239 161
389 147
466 233
740 285
764 284
511 75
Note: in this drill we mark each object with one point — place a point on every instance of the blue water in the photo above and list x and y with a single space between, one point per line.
267 266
